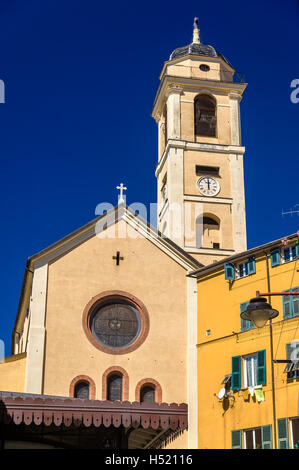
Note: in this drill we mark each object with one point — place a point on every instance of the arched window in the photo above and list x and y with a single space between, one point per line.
147 394
82 390
115 384
148 390
82 386
205 116
207 232
115 387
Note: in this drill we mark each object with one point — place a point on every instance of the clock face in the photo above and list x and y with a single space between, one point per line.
208 186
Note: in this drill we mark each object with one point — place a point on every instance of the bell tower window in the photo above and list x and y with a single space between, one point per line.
205 116
207 232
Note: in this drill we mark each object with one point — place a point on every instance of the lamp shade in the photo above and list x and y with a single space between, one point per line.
259 312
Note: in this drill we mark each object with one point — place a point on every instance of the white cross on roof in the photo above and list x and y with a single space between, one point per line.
121 188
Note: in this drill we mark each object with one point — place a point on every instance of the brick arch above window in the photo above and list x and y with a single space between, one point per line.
152 383
83 378
115 370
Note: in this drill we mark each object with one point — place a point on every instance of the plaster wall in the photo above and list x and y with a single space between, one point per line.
146 273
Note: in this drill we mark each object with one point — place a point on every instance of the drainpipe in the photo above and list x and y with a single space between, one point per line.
271 351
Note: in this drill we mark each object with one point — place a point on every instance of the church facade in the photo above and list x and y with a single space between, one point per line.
104 347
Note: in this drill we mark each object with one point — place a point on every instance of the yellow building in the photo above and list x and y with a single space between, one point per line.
235 391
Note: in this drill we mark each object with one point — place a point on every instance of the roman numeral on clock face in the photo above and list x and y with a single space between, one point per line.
208 186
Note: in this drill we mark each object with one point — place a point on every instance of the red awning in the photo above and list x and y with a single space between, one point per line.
38 409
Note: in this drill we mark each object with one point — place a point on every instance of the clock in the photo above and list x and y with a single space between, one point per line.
208 186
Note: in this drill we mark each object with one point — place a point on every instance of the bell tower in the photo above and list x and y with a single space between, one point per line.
201 203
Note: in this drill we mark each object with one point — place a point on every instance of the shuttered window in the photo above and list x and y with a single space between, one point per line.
237 439
290 304
283 435
246 268
274 255
267 437
256 438
236 372
261 367
251 265
245 324
254 370
229 271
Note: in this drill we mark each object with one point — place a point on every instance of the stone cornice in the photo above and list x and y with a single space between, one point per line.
185 145
195 58
208 251
216 200
190 84
174 89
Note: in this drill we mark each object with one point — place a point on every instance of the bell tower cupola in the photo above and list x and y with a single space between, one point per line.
200 182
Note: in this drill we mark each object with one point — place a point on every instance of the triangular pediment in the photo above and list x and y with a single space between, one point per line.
98 226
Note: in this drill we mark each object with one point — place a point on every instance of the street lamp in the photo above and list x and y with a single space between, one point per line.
259 312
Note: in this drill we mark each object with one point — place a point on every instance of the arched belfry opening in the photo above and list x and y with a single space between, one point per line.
205 120
208 231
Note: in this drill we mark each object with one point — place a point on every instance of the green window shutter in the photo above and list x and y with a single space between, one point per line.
295 302
283 435
251 265
297 249
261 367
287 306
229 271
236 373
245 324
237 439
274 254
267 437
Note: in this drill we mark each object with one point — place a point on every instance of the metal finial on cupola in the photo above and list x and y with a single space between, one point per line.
196 39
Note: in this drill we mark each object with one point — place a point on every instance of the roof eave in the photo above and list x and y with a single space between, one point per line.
239 256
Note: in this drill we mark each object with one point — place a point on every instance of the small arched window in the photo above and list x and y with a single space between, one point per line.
207 232
205 116
148 394
82 390
115 387
148 391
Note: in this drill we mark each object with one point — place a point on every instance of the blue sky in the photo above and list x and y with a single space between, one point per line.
80 79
